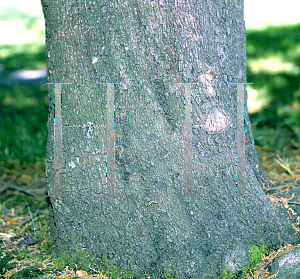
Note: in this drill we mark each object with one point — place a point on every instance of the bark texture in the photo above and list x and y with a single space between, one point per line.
151 47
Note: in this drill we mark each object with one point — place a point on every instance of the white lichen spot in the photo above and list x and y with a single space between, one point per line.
95 59
90 130
289 259
216 122
169 239
126 48
72 164
77 159
235 259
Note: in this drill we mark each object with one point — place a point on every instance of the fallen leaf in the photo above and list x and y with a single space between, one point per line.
10 221
81 273
269 166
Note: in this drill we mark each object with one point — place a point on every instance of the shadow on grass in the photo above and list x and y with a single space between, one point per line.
273 65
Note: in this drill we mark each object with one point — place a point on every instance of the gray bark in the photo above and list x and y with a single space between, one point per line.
150 47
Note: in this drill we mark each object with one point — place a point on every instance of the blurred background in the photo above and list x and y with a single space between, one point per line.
273 66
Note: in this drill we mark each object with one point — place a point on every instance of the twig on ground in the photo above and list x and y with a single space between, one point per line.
26 191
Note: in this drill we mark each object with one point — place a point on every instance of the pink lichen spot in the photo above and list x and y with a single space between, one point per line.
216 122
208 81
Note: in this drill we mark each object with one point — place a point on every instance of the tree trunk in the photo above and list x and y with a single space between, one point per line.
162 190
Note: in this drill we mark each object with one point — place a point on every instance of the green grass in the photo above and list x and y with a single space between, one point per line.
24 112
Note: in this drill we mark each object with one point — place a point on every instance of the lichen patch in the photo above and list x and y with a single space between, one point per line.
216 122
208 80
